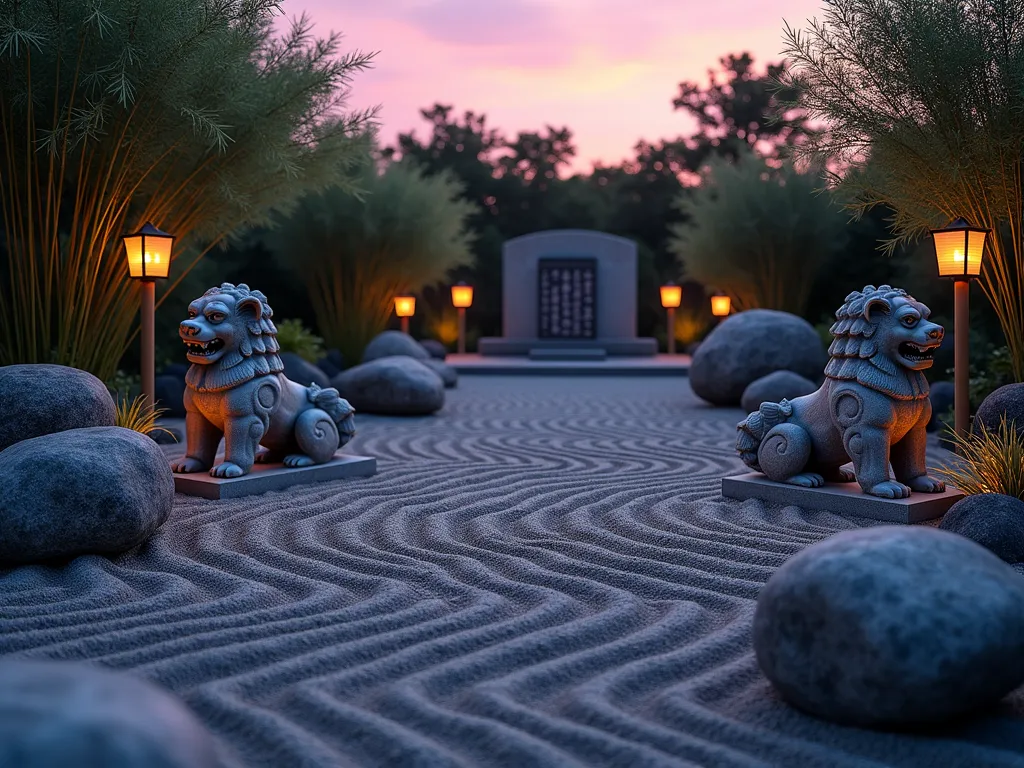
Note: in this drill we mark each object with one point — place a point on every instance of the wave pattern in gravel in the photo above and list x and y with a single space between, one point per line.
543 574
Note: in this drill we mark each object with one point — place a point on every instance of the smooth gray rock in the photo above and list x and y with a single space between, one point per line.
397 385
941 394
170 395
394 344
892 626
99 490
434 348
41 399
752 344
332 363
448 375
994 520
302 372
1008 400
773 388
55 714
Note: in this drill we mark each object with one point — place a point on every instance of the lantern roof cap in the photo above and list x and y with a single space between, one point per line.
960 223
150 230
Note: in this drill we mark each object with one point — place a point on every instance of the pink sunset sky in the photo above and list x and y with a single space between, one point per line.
607 69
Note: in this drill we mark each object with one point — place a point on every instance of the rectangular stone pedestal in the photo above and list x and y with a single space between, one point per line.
273 477
842 498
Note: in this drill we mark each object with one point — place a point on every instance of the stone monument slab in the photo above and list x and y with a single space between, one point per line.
273 477
842 498
596 273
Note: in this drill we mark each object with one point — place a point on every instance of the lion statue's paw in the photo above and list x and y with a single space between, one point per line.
807 480
890 489
187 464
227 469
298 460
926 484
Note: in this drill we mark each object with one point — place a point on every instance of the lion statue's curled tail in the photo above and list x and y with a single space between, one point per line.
750 432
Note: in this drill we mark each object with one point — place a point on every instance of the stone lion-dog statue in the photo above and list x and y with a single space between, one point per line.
236 389
872 409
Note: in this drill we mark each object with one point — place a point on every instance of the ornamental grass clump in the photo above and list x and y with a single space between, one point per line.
191 114
355 254
138 416
987 461
922 103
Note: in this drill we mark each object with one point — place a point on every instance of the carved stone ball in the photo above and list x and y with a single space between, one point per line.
302 372
393 386
448 375
775 387
892 626
434 348
99 490
41 399
392 344
994 520
64 714
752 344
1008 400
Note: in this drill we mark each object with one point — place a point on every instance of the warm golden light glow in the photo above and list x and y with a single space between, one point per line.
462 296
671 295
405 306
721 306
148 252
959 249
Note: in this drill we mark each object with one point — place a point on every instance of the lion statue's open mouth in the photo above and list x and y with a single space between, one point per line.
204 348
236 389
873 408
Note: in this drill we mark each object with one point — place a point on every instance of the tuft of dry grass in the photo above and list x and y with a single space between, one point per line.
138 416
987 461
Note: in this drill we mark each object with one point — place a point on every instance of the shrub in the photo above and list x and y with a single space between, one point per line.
758 234
296 338
356 253
987 461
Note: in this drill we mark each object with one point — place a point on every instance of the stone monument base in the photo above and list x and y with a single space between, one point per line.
842 498
498 346
273 477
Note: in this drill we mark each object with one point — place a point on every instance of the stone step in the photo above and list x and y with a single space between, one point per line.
565 355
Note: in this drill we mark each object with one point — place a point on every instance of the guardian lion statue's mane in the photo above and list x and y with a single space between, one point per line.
256 350
857 352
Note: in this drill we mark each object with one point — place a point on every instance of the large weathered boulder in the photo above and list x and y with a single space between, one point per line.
448 375
775 387
941 394
40 399
170 395
398 386
394 344
56 713
752 344
99 490
1006 401
994 520
892 626
434 348
302 372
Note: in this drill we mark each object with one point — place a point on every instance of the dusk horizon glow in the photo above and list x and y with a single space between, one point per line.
604 70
